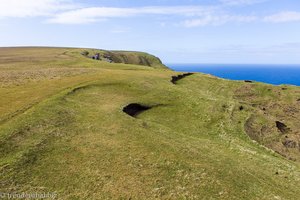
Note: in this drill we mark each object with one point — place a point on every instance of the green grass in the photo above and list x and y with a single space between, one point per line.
79 144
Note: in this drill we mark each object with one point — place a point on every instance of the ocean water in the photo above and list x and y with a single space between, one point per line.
272 74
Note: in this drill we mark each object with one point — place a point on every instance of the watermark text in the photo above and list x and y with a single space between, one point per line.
25 195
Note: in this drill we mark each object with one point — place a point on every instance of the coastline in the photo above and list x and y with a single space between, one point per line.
269 74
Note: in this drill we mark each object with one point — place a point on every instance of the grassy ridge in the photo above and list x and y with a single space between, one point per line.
66 132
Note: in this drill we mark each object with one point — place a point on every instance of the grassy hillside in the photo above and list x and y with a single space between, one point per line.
126 57
63 130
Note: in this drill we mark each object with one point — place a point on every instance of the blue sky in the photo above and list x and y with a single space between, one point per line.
185 31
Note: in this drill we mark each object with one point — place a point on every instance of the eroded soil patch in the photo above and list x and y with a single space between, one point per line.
270 108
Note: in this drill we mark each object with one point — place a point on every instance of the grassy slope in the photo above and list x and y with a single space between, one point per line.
79 143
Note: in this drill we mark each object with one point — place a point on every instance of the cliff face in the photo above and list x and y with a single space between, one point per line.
128 57
136 58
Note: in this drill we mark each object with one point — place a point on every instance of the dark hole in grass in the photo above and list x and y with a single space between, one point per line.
135 109
282 127
284 88
248 81
181 76
241 108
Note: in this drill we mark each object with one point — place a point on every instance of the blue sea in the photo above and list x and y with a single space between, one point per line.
272 74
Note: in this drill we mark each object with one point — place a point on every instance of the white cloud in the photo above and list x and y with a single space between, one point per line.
240 2
69 12
287 16
33 8
218 20
93 14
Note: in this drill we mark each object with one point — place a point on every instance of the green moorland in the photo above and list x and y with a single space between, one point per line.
62 130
